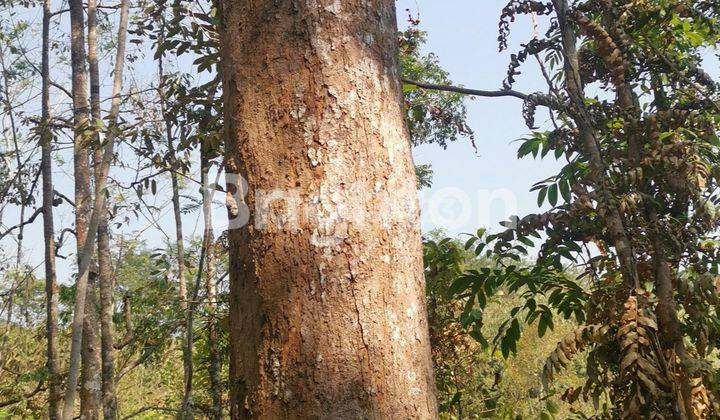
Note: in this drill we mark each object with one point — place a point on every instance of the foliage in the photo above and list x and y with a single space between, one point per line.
432 117
632 226
472 379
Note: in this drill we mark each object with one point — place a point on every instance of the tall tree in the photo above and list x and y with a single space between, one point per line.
86 231
640 185
91 384
51 287
327 310
107 303
82 186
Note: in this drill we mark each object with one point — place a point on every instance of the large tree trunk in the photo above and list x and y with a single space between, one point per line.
327 308
51 288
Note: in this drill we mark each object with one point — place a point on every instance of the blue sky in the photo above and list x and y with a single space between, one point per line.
463 34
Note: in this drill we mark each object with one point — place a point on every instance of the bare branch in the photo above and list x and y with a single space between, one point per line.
32 218
466 91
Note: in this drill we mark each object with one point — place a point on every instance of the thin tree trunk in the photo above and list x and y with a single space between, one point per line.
107 304
615 223
82 189
186 410
666 311
85 252
91 384
51 287
91 381
327 306
212 322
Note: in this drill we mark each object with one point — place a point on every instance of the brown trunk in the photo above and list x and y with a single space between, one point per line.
669 329
327 308
51 287
107 304
107 309
212 321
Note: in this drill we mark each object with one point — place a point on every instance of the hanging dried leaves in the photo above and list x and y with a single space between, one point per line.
639 366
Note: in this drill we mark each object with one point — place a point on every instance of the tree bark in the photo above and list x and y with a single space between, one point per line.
82 188
212 321
327 307
51 288
91 383
105 272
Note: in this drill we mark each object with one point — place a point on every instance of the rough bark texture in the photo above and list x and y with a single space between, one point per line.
327 309
51 288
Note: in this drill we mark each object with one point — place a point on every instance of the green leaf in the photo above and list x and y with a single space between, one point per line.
553 194
407 88
552 407
565 190
461 284
542 326
470 242
541 196
526 241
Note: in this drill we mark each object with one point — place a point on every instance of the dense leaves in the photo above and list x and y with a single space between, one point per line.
628 243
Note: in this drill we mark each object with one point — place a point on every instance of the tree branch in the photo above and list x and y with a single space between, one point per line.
144 409
465 91
32 218
25 396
